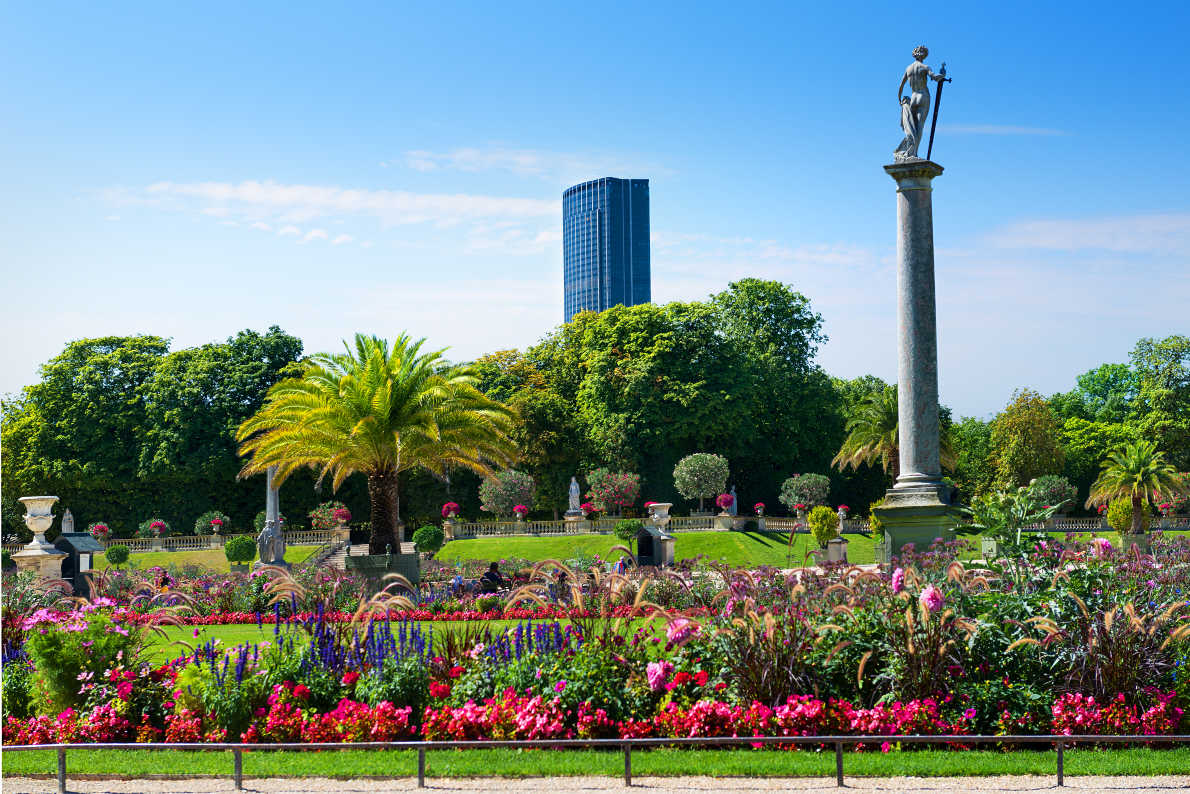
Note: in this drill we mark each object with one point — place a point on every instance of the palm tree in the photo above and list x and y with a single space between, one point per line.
872 436
1137 472
379 410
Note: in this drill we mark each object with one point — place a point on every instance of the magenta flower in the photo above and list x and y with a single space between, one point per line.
657 673
561 685
931 598
680 631
898 580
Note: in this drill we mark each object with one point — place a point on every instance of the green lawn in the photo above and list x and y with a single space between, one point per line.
743 549
661 762
214 559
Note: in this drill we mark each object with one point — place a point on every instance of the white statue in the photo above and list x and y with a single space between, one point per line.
916 107
575 494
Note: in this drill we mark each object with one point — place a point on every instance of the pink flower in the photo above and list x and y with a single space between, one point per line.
725 500
1101 547
931 598
680 631
561 685
349 679
450 509
898 580
657 673
885 747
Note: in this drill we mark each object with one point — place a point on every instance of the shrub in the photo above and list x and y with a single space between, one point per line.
611 491
240 549
6 561
74 644
153 528
807 489
428 539
116 555
503 491
258 521
18 690
325 515
701 476
99 530
400 682
1054 490
1119 516
628 528
824 523
874 523
212 522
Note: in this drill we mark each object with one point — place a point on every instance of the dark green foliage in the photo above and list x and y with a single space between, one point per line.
18 690
628 528
241 548
259 519
428 539
402 683
203 525
6 561
116 555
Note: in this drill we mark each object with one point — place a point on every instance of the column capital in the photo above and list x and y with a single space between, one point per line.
913 174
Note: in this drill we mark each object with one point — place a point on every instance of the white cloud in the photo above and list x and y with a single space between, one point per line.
264 227
216 212
998 129
341 239
289 231
315 234
564 167
1162 233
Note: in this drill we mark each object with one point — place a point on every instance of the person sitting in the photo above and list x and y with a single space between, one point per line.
492 581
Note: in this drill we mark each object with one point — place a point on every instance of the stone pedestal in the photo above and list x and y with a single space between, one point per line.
916 509
575 523
723 521
836 550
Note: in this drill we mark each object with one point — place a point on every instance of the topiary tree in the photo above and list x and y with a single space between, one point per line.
428 539
502 491
1054 490
116 555
701 476
824 523
612 491
240 549
212 522
1119 518
805 489
628 528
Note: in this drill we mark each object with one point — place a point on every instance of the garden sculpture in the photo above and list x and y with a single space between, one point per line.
916 107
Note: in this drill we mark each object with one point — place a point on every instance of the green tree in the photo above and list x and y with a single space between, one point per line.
1163 405
973 472
378 409
1086 444
1104 394
872 435
1137 472
1025 440
701 476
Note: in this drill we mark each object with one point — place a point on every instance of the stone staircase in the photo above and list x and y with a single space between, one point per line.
338 559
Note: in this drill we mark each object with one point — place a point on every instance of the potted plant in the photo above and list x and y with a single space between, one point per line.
100 531
724 501
450 511
520 511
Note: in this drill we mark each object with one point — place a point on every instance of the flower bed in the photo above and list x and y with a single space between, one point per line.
1071 639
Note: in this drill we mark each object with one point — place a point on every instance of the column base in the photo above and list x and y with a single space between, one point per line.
920 517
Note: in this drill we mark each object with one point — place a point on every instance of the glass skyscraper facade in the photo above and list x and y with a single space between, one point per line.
605 245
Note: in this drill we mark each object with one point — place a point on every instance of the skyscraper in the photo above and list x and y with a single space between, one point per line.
605 245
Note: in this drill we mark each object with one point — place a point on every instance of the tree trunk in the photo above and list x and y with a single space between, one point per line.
382 495
1138 504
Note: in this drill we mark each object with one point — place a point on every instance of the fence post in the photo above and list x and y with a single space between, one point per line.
238 769
839 763
61 771
627 765
1061 765
421 767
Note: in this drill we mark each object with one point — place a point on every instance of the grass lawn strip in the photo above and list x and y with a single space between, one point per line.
215 559
665 762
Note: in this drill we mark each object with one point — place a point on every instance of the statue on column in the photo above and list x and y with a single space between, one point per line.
735 503
270 544
916 107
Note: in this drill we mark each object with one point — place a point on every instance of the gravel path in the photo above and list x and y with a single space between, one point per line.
646 785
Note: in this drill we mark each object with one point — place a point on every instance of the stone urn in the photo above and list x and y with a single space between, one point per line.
448 527
40 555
659 514
341 532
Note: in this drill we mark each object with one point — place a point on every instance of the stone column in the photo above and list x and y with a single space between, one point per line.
916 508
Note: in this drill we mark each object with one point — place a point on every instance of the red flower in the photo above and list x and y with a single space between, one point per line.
456 671
682 678
439 690
301 692
700 678
350 678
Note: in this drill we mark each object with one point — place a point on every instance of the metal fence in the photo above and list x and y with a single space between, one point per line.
625 746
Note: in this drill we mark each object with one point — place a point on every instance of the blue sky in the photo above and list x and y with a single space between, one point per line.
191 171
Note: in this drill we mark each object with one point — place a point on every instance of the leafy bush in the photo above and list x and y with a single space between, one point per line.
212 522
701 476
18 689
824 523
611 491
153 528
116 555
1119 516
326 515
429 539
628 528
874 523
400 682
258 521
806 489
75 644
1054 490
503 491
240 549
6 561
